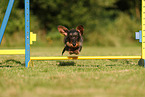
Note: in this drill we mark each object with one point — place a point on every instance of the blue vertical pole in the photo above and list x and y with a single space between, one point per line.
143 63
27 32
6 18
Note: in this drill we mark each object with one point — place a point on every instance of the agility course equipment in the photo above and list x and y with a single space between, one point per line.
29 37
85 57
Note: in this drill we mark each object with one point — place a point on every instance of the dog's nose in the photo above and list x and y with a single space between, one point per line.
74 44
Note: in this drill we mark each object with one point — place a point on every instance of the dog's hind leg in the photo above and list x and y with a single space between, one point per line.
63 50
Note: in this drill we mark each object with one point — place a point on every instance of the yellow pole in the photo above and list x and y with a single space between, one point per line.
143 29
84 57
12 52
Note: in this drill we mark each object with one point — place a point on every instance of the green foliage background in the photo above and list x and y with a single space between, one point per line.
106 22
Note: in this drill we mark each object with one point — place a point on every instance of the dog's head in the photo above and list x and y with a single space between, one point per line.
73 38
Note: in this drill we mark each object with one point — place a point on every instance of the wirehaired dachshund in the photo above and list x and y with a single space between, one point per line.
73 39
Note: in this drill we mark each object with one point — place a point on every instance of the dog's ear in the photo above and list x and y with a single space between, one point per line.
63 30
80 28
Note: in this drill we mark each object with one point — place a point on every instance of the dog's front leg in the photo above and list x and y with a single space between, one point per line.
76 52
71 52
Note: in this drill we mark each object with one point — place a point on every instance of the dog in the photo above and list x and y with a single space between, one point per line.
73 39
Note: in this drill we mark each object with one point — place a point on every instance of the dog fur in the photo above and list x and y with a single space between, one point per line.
73 39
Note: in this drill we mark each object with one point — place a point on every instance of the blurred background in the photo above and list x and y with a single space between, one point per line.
106 22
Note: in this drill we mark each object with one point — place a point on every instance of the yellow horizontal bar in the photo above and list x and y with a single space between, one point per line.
12 52
84 57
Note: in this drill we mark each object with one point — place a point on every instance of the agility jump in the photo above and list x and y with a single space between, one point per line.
29 37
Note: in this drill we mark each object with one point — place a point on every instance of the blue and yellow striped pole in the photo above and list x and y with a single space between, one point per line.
27 32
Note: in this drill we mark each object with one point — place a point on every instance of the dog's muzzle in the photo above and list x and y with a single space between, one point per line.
74 41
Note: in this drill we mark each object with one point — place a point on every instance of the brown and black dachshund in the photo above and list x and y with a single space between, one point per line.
73 39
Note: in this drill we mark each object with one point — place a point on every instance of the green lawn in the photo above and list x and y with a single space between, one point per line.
73 78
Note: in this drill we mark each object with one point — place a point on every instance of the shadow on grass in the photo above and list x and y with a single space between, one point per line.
5 63
72 63
68 63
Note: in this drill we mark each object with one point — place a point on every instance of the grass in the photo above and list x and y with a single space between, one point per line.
73 78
